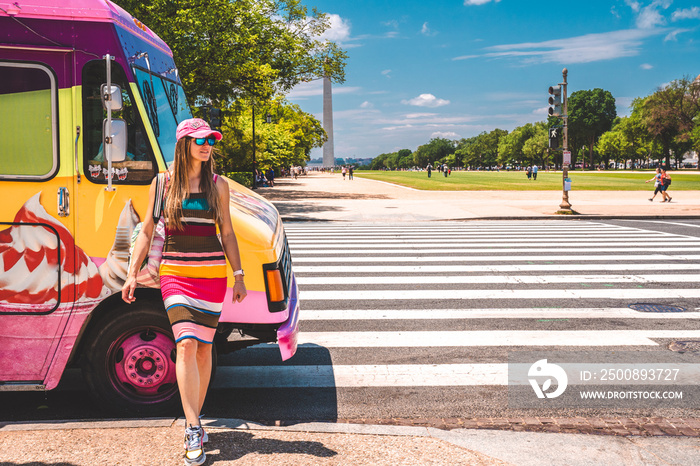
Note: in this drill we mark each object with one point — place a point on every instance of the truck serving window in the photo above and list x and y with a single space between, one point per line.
166 106
140 166
28 136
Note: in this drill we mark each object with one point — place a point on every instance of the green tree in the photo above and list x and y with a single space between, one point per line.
286 141
670 115
591 113
226 49
536 147
435 150
510 146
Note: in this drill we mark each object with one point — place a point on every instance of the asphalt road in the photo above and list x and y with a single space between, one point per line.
394 318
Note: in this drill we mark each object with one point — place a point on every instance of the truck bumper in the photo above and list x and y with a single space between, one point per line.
287 333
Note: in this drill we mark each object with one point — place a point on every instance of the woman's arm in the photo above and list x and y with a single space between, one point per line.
229 241
143 244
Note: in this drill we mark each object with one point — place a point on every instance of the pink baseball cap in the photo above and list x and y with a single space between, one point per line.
196 128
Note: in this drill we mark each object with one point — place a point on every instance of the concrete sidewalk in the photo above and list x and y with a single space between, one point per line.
233 441
327 197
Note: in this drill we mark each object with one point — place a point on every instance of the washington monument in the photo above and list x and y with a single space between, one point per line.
328 155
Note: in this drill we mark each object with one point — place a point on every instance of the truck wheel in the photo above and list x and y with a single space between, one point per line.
130 361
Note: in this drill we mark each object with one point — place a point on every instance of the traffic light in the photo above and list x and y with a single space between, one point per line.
214 118
555 100
553 138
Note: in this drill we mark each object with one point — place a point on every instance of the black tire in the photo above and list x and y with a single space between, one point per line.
129 363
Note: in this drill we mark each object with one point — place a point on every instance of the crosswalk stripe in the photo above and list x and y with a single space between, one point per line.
495 239
500 338
510 257
431 294
502 279
298 252
486 244
327 376
507 313
383 269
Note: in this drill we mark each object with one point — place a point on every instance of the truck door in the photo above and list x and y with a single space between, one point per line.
38 261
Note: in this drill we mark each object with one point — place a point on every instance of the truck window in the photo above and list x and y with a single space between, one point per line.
167 106
28 135
140 166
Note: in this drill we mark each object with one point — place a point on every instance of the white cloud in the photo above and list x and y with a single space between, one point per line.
339 30
673 35
426 100
445 135
478 2
688 13
581 49
426 31
386 73
420 115
646 66
649 16
366 104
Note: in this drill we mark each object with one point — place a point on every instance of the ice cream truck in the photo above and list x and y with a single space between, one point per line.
89 101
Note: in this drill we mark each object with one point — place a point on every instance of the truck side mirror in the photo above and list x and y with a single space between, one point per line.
112 98
117 151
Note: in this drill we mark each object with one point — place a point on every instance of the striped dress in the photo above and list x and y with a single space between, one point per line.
193 272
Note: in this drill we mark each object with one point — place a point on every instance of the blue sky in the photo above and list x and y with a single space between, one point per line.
419 69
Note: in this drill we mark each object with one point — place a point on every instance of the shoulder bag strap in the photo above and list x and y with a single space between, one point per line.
161 182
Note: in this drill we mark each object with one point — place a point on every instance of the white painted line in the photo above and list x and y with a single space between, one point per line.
508 313
458 233
404 375
487 243
495 238
511 257
636 294
665 223
384 269
500 279
500 338
297 252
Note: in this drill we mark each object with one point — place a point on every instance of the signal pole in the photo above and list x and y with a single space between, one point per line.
565 205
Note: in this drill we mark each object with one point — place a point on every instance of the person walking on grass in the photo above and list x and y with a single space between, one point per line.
193 270
657 184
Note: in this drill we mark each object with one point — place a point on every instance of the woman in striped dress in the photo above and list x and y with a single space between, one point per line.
193 268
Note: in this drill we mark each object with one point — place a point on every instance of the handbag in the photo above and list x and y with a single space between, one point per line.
149 272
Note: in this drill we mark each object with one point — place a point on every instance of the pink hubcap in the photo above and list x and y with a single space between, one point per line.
146 363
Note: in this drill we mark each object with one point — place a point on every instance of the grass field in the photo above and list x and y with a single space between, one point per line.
517 181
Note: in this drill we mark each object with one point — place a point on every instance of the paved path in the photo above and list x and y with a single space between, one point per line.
322 196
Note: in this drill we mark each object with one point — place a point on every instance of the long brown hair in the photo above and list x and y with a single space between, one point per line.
179 185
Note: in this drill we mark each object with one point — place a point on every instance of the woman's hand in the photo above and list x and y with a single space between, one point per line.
239 291
128 290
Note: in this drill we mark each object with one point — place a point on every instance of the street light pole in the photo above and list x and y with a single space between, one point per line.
565 205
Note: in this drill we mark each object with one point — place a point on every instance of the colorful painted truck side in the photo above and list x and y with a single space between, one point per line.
75 167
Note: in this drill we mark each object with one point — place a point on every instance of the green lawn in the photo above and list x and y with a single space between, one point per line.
517 181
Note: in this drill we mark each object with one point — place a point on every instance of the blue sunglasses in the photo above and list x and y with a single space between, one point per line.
201 141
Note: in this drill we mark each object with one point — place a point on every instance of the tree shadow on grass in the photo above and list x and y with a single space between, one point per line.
236 445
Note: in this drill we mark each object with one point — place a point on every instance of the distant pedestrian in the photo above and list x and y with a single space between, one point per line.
444 170
665 183
430 169
271 177
343 171
657 184
528 172
350 171
534 172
